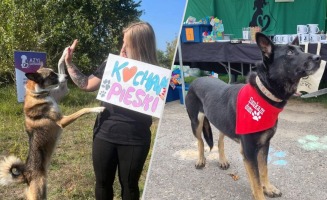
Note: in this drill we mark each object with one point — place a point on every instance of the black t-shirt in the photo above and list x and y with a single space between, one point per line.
119 125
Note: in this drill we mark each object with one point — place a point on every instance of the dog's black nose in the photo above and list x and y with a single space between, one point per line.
316 58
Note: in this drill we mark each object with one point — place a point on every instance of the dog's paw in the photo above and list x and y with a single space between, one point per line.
200 163
271 191
223 164
98 109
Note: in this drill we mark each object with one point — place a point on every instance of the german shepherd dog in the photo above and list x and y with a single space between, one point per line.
210 100
43 123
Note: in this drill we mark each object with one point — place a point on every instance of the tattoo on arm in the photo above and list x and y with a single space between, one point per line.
77 76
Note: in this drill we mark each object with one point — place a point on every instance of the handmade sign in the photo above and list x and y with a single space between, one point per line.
134 85
26 61
311 83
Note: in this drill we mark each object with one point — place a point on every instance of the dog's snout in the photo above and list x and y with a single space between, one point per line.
316 58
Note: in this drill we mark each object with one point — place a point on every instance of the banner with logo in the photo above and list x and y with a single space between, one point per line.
134 85
272 17
26 61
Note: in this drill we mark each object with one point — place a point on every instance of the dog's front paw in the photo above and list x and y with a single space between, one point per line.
98 109
271 191
200 163
223 164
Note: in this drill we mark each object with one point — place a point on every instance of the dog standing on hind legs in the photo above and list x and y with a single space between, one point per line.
248 113
43 123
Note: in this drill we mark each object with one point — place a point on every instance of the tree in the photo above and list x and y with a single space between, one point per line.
171 49
163 59
18 30
166 58
97 24
51 25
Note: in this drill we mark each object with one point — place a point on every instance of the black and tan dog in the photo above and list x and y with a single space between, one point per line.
210 100
44 123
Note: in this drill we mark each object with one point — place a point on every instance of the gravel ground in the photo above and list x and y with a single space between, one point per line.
297 159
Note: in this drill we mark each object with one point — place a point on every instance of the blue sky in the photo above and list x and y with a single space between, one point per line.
165 16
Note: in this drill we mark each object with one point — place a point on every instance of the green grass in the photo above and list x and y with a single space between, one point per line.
71 173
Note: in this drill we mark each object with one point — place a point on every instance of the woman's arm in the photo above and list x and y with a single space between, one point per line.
86 83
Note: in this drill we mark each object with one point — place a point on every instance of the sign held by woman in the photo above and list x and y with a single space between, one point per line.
134 85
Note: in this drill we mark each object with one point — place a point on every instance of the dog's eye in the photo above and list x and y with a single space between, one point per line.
290 52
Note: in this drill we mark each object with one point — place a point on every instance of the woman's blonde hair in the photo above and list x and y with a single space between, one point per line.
142 41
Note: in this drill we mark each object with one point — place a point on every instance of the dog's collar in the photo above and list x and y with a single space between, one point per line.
40 94
265 91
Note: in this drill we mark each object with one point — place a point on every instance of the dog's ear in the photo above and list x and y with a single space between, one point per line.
296 41
33 76
265 44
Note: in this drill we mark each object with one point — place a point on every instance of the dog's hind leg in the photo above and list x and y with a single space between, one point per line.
269 189
197 126
223 162
66 120
251 165
37 189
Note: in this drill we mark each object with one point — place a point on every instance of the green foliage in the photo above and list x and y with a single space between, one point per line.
166 58
50 26
189 79
6 39
163 59
97 24
171 47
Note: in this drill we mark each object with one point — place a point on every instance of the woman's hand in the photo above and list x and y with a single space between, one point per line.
69 55
86 83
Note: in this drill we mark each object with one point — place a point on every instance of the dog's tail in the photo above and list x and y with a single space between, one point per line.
207 132
11 171
195 112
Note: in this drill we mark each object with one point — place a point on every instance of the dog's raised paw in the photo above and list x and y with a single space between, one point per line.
98 109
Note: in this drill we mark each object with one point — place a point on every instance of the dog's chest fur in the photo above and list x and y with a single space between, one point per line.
41 112
53 105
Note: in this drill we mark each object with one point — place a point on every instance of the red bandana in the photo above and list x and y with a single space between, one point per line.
254 113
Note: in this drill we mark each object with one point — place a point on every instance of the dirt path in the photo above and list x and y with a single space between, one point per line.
297 159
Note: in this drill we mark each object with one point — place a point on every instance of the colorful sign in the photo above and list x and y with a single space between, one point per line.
134 85
26 61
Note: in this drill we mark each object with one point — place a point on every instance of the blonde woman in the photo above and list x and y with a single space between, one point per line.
121 137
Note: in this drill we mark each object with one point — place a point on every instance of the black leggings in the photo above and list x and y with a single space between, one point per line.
129 159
